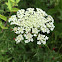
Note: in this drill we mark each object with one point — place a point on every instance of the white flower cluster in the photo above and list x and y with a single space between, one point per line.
32 23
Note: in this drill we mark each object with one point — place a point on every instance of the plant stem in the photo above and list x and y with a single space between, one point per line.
47 47
7 20
59 48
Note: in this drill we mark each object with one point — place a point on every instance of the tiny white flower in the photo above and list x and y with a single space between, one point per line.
29 36
44 42
34 30
26 41
46 38
19 38
32 40
35 34
15 29
38 42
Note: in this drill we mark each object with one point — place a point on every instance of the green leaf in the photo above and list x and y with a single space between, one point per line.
2 25
17 1
9 5
12 1
6 3
16 4
3 17
8 59
59 27
60 17
14 9
60 4
1 11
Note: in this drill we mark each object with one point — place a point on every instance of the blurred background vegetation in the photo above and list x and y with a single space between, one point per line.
12 52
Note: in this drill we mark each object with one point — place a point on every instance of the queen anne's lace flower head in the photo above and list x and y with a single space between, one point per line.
32 23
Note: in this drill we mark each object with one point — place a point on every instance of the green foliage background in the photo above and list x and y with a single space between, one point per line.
31 52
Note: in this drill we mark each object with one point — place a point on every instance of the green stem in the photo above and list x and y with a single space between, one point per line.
48 47
58 57
7 20
59 48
